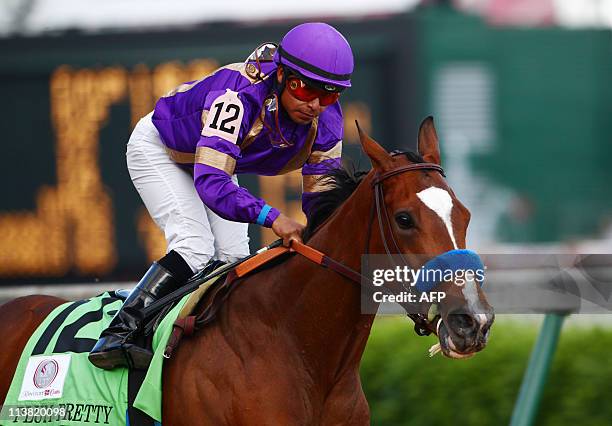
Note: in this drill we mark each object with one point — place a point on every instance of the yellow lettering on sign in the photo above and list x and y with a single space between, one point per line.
73 224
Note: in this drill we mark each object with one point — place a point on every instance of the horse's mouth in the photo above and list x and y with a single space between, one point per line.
447 346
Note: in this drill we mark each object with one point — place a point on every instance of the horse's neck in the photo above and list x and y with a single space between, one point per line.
329 318
343 237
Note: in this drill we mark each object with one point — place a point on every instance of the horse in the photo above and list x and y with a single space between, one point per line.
286 345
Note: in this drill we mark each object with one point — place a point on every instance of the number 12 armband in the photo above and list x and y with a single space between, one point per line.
225 117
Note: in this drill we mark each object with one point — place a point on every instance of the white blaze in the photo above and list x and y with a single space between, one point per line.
440 201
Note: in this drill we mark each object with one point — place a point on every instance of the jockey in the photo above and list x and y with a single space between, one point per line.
272 114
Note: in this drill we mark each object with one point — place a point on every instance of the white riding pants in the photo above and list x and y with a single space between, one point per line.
191 229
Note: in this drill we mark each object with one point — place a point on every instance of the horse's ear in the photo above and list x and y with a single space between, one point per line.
377 153
428 141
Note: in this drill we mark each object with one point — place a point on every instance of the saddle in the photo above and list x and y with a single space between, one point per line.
207 291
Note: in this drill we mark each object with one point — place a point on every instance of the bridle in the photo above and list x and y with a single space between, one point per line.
422 325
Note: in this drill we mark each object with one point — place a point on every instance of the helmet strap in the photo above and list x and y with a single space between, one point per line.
280 86
276 121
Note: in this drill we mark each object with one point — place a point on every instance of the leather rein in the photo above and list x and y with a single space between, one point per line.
422 325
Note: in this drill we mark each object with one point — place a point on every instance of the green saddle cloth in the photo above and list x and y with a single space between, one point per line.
55 383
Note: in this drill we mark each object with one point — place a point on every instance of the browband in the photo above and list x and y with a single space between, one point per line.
418 166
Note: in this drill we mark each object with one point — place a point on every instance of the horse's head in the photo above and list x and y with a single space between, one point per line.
421 219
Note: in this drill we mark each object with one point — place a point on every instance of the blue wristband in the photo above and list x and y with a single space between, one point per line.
263 214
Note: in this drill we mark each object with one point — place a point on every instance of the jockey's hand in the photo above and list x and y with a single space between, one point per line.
288 229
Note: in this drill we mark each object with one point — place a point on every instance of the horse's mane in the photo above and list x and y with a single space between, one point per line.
343 181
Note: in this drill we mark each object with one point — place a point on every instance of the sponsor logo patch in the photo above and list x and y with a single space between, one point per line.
44 377
45 373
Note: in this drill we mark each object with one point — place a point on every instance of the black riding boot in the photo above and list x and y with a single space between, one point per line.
115 347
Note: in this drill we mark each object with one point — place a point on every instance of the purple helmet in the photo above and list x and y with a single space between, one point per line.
318 52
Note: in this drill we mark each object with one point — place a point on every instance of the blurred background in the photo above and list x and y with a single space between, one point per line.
522 97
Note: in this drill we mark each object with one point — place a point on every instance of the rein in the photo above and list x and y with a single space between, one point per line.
423 326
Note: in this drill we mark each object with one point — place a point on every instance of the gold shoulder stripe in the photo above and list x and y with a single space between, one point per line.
315 183
213 158
241 67
319 156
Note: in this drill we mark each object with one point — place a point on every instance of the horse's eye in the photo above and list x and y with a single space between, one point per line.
404 220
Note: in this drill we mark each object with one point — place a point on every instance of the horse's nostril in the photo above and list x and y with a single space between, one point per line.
462 324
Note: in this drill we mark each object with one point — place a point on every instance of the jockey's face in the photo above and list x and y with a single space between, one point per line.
299 111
